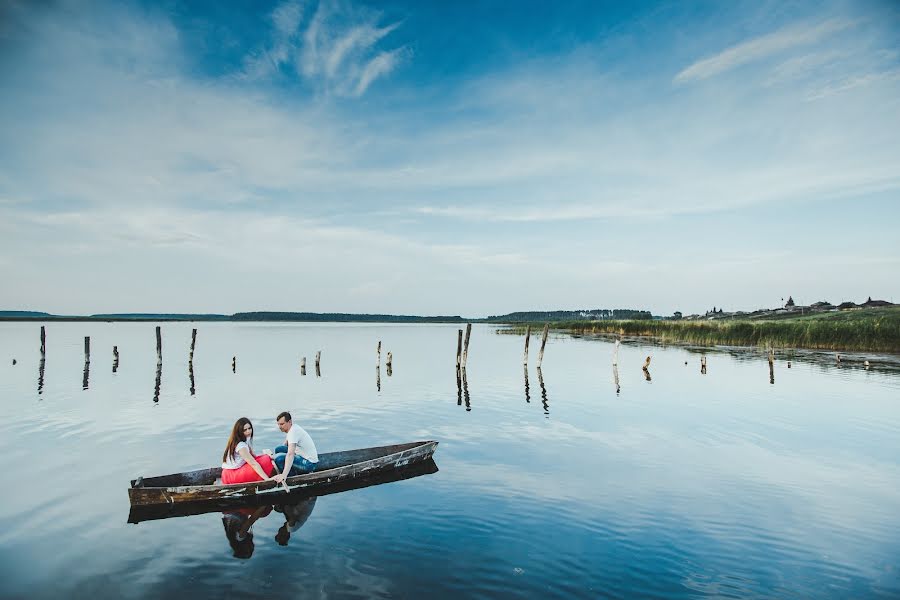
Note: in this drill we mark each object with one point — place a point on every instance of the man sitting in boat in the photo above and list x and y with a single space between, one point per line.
239 464
298 454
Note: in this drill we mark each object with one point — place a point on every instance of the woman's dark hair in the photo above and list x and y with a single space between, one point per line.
237 436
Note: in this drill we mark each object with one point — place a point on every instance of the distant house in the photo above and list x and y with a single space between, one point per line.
875 303
822 305
847 306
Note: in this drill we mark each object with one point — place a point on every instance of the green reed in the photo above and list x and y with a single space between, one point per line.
873 330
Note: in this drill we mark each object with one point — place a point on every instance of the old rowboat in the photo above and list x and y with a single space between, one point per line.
334 467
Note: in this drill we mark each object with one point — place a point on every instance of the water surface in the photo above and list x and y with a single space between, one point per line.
551 484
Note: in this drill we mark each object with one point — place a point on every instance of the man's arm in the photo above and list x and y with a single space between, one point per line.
288 462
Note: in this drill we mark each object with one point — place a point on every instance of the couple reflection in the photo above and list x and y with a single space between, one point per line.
239 522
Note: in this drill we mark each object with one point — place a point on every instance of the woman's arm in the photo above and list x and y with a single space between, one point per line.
251 460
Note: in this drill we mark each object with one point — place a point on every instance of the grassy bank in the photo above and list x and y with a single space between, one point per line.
870 330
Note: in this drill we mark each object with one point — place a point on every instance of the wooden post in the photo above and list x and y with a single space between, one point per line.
771 372
459 349
193 388
234 364
616 379
318 358
378 378
158 345
616 354
647 363
390 364
703 365
193 343
458 385
543 343
465 356
87 349
43 341
527 338
378 354
115 366
303 366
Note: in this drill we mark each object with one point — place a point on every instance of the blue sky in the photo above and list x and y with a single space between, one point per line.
447 158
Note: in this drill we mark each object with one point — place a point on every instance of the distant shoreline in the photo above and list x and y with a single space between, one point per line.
867 330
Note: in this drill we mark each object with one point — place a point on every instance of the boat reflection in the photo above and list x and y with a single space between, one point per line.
139 514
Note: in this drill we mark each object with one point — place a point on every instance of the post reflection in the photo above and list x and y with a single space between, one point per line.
158 382
458 387
87 375
646 374
41 375
527 395
191 375
465 384
544 400
378 378
616 379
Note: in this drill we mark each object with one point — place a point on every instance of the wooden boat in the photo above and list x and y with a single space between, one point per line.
152 512
334 467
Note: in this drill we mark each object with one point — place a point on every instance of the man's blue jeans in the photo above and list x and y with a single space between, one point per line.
300 465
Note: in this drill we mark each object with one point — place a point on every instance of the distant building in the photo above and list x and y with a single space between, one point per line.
875 303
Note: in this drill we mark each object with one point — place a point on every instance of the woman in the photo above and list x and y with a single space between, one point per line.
239 465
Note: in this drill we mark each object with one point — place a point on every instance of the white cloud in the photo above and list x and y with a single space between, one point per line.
760 48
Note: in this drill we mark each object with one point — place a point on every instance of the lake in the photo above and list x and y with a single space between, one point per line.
550 484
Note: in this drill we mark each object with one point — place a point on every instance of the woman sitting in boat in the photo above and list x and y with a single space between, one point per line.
239 464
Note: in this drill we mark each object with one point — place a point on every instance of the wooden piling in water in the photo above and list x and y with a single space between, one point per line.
703 365
616 354
527 338
193 343
390 364
318 358
115 366
378 355
43 341
459 348
465 355
158 345
87 349
647 363
543 343
234 364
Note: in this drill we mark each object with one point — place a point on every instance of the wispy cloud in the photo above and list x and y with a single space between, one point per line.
761 47
336 51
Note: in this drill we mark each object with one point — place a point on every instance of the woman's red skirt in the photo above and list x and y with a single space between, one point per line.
246 474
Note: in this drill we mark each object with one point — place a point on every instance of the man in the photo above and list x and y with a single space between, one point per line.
298 454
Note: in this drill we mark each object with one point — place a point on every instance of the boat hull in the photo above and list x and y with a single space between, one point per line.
335 467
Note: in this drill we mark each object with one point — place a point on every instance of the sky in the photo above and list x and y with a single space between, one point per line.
447 158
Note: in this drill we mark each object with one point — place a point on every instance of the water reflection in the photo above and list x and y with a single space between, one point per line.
378 378
238 524
191 375
527 395
462 388
86 375
646 372
158 382
544 400
41 375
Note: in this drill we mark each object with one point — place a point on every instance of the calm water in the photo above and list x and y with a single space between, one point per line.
684 486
